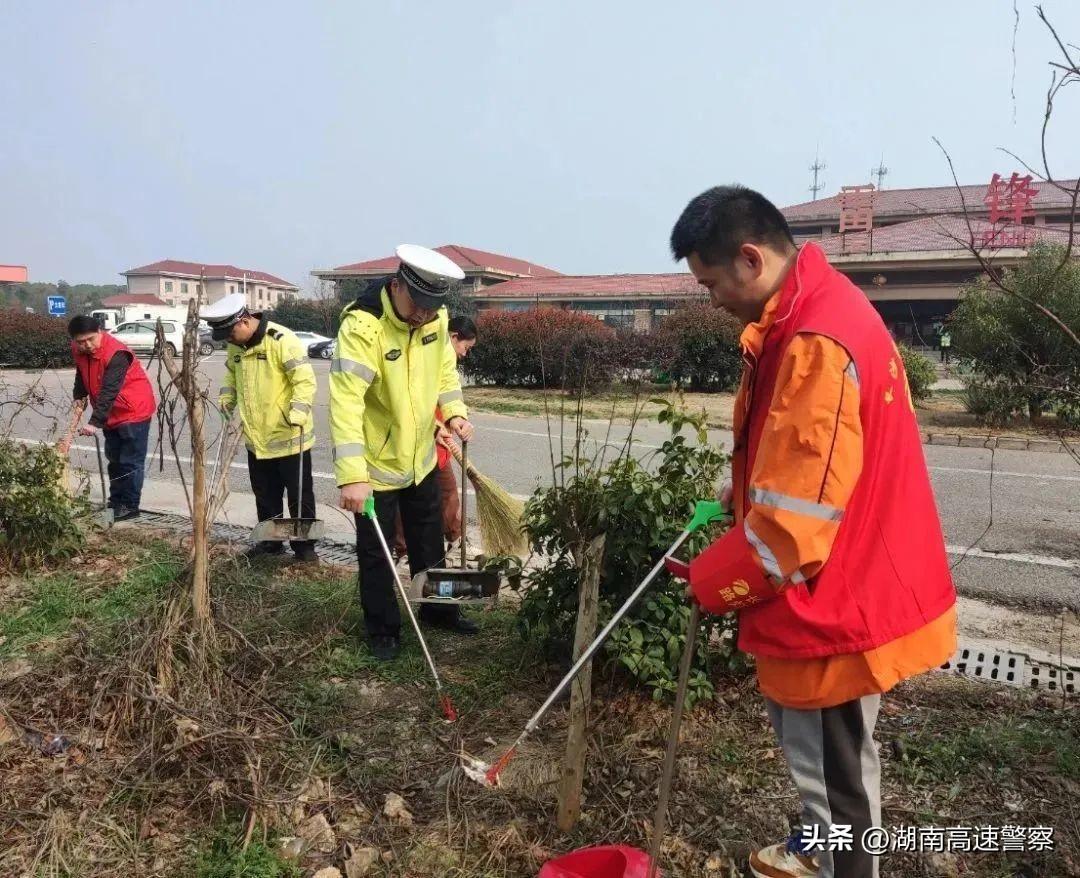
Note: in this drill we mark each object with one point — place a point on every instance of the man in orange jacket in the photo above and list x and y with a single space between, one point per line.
836 562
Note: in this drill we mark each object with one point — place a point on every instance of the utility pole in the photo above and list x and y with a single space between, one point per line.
816 168
881 172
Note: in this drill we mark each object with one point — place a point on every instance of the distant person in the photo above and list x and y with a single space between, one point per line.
836 561
267 374
946 346
463 336
122 398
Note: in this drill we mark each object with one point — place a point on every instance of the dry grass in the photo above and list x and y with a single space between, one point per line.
307 727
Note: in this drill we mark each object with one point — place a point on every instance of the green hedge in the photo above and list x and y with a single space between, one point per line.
31 341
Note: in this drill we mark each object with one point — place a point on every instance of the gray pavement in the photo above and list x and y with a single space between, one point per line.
1028 549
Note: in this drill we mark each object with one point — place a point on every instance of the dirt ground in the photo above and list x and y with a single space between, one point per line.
298 743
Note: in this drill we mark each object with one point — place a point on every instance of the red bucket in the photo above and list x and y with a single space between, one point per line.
607 861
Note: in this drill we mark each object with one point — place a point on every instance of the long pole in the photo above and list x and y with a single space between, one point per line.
660 817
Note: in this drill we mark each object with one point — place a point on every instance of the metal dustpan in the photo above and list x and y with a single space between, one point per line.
283 530
456 585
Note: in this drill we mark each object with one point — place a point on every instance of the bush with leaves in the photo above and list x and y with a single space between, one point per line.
920 372
698 346
641 507
307 315
1020 361
31 341
39 521
543 347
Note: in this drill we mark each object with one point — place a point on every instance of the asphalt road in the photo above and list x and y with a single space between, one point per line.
1028 538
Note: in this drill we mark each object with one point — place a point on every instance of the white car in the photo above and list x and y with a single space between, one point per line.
310 338
141 336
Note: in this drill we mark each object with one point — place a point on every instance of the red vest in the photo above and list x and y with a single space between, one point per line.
135 402
887 574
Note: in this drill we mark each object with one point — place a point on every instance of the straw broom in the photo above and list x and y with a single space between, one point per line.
498 512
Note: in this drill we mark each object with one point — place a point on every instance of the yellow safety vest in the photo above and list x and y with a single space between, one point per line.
385 382
275 387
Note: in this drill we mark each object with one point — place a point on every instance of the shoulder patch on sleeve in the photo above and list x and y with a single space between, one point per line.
274 334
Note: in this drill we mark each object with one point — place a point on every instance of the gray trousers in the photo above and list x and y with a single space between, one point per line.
834 763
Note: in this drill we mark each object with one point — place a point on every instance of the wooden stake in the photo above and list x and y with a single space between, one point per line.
573 773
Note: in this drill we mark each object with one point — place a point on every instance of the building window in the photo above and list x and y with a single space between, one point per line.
260 294
168 286
232 288
183 288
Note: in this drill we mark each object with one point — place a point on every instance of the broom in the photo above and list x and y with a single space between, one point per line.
498 512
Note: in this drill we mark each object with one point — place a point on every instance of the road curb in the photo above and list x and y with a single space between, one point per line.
1005 443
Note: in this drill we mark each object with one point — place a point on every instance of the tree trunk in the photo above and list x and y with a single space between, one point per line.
573 773
200 579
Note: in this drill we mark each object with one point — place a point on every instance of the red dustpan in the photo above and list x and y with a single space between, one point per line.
608 861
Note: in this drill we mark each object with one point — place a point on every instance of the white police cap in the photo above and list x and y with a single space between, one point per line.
428 274
224 314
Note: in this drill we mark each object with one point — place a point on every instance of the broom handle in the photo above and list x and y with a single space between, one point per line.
660 817
467 468
464 499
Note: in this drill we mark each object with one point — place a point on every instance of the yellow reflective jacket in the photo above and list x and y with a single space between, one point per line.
385 382
274 384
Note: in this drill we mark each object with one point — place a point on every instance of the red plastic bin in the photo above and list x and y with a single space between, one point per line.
606 861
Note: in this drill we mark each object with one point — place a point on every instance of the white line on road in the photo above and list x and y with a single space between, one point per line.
1017 557
999 472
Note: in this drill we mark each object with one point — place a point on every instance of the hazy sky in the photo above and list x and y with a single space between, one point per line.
289 136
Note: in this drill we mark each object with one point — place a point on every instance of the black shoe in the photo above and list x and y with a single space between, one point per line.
459 624
263 550
305 554
125 513
385 647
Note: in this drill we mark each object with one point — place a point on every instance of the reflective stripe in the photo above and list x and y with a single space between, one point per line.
390 478
278 444
289 365
365 372
852 372
348 449
300 406
226 391
793 504
768 559
450 396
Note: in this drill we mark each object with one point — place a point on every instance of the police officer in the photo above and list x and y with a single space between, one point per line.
394 365
267 374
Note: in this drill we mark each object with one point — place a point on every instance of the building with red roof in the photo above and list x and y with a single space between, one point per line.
176 283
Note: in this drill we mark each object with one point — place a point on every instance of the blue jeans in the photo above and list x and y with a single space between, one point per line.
125 449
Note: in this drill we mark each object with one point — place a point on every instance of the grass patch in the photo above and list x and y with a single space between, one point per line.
224 857
998 747
50 604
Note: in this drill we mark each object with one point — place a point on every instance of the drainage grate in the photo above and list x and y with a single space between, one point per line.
999 664
331 551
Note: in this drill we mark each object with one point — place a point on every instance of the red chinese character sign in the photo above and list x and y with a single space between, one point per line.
857 215
1009 202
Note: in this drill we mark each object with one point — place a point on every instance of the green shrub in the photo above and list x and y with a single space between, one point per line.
1012 346
543 347
39 521
698 346
993 403
225 857
31 341
307 315
921 374
641 507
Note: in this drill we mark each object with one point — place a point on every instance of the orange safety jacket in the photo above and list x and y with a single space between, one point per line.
831 554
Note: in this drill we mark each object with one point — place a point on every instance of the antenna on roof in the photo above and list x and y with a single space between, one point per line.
881 172
816 168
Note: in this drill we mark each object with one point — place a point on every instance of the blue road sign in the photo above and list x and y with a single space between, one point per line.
57 306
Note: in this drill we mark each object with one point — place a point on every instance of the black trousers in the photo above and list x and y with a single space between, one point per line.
125 450
421 517
273 478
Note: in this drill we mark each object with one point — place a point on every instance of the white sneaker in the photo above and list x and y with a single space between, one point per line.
783 861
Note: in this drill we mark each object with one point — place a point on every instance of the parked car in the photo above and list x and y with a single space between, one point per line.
141 336
207 344
322 350
310 338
